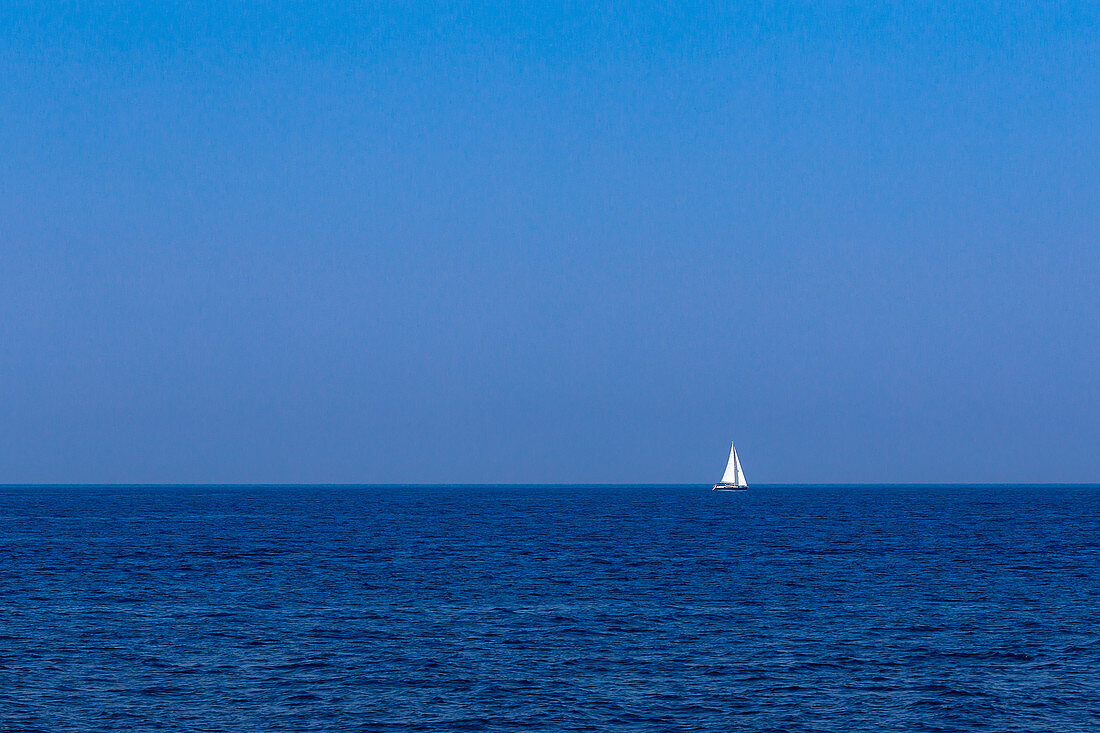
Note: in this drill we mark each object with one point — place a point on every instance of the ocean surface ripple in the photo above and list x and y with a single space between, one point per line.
572 608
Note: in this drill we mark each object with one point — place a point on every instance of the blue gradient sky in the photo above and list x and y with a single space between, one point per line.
462 242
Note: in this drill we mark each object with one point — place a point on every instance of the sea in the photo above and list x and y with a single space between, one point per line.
549 608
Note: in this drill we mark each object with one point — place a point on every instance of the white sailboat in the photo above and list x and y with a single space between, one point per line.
734 478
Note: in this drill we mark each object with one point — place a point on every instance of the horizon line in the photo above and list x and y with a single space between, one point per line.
184 484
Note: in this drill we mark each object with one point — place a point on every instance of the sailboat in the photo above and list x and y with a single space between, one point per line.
734 478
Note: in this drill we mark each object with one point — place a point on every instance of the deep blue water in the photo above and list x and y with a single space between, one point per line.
550 608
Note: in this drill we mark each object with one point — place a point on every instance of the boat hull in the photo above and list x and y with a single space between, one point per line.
729 487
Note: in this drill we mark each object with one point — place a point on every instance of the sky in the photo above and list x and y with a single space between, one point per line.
549 243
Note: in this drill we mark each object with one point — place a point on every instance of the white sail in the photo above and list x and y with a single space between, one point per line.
734 475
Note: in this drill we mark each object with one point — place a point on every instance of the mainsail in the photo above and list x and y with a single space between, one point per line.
733 476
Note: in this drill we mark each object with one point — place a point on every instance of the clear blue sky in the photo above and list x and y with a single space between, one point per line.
461 242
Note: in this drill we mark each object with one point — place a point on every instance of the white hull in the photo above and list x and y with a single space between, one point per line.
728 487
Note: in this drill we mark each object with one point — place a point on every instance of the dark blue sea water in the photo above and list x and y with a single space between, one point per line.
550 608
